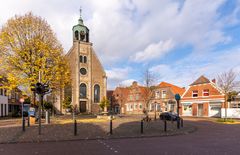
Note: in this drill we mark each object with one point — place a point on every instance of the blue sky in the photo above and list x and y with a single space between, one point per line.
177 40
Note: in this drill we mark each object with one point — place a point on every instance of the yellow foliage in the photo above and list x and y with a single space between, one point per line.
29 48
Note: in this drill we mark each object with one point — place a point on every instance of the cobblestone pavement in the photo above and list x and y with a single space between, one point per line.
62 128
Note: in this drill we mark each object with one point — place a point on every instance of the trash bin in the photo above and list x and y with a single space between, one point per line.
32 115
32 120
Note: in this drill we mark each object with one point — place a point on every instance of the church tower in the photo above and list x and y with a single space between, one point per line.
89 81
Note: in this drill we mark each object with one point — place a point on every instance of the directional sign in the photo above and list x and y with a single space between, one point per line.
177 97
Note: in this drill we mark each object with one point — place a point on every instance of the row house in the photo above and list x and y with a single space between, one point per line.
203 98
129 100
3 103
136 99
9 101
119 99
132 99
164 97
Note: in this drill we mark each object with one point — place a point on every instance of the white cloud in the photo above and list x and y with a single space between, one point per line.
187 70
127 82
154 51
117 75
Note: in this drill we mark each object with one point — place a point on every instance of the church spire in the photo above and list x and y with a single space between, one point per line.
80 20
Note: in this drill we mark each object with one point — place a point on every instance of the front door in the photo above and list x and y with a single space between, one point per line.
83 106
200 110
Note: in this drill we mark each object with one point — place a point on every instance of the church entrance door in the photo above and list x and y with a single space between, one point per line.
83 106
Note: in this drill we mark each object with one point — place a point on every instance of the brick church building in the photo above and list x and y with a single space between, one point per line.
88 78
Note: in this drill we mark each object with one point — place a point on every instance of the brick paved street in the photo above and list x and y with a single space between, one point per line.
210 138
62 128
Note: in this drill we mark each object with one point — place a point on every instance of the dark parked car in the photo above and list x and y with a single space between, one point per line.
169 116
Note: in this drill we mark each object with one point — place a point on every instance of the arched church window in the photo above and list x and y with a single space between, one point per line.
76 35
85 59
83 90
81 58
96 93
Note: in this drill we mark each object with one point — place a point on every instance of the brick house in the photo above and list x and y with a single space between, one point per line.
120 95
129 100
135 101
164 97
203 98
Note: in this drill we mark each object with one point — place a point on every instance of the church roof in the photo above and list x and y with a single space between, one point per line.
201 80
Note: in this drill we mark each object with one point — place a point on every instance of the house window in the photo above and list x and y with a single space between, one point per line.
131 97
152 106
206 92
194 93
135 106
137 97
140 106
157 94
164 94
83 90
1 91
96 93
131 107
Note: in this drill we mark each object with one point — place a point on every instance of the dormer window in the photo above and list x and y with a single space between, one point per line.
194 93
206 92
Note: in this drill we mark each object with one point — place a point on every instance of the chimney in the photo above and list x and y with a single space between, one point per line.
214 80
134 83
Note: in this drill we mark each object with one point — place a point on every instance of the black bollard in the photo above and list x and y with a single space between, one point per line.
28 120
181 122
75 127
141 126
165 125
110 126
178 123
23 124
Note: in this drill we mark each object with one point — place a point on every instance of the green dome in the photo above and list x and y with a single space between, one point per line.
80 31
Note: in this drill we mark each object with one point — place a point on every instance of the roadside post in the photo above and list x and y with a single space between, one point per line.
111 126
182 122
23 120
178 98
165 125
141 126
75 127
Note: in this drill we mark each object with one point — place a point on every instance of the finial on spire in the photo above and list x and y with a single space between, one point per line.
80 11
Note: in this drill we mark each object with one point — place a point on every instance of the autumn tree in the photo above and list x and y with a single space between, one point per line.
149 80
104 104
30 52
226 81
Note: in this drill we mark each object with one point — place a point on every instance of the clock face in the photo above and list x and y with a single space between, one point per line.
82 35
83 71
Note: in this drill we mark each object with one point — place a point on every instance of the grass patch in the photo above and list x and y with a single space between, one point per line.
227 120
91 120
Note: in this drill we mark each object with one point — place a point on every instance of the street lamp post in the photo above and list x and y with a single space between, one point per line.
178 98
155 109
23 120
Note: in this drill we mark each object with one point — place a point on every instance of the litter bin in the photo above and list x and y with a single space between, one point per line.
32 115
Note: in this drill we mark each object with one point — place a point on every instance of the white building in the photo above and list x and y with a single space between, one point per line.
3 103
